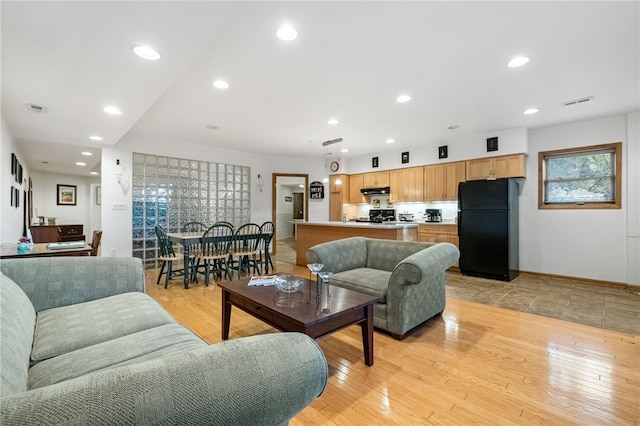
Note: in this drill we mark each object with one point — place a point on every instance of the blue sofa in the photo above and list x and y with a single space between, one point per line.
80 343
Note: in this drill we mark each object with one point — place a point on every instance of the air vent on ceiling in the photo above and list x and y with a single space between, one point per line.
578 101
36 108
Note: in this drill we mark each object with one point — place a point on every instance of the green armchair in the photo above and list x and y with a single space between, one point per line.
407 277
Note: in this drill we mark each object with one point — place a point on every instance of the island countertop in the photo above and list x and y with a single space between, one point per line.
309 234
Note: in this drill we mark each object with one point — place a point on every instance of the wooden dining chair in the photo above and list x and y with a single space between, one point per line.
168 256
244 248
95 242
264 257
199 227
214 251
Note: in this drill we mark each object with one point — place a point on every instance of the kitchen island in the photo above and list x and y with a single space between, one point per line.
308 234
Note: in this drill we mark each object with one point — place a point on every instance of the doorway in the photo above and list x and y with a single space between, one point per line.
289 202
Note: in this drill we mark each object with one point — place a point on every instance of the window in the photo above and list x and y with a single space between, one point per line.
581 178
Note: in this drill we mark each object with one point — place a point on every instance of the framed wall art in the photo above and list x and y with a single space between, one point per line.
374 162
405 157
67 195
492 144
443 151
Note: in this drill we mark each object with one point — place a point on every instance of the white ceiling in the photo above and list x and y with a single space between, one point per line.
350 61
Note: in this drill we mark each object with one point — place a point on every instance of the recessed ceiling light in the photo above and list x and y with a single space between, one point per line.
403 98
112 110
531 111
518 61
333 121
220 84
95 138
94 173
80 163
146 52
389 141
87 153
344 150
287 33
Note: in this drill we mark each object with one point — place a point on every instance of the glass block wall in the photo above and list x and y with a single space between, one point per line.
173 191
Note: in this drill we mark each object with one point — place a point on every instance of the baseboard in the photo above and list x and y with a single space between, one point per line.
584 280
569 278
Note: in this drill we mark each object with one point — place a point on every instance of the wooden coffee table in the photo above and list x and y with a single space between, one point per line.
291 312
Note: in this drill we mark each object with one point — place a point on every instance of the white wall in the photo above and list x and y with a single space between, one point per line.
116 239
512 141
45 190
11 218
579 243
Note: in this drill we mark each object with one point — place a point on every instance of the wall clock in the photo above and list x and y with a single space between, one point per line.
335 166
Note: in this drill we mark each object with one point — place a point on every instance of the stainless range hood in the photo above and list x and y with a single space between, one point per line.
375 191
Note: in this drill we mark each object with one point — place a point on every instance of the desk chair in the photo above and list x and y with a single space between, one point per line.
214 251
244 248
95 242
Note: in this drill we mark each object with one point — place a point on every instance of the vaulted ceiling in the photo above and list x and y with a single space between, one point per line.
350 62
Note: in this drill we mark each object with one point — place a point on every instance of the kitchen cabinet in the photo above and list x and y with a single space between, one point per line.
356 183
338 196
441 181
504 166
376 179
440 233
406 184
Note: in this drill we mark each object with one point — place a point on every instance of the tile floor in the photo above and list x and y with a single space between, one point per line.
607 307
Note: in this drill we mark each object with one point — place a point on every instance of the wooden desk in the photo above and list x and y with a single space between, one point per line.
10 251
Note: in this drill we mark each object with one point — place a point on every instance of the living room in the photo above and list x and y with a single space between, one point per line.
601 246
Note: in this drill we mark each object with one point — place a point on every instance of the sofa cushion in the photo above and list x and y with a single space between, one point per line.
387 254
137 347
73 327
369 281
17 320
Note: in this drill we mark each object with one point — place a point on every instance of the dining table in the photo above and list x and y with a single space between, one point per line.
188 239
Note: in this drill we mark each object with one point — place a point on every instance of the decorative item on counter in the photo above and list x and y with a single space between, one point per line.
24 245
376 203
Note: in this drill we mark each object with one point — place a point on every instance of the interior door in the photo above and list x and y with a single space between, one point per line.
298 205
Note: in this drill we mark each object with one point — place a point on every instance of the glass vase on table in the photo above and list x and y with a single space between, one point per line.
314 268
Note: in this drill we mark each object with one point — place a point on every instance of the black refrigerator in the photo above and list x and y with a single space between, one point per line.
488 228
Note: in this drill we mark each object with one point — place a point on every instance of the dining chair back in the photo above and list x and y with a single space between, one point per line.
224 222
266 231
194 226
95 242
214 251
244 248
167 256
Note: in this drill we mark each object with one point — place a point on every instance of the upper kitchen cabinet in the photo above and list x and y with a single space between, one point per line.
504 166
406 185
356 183
376 179
441 181
339 183
338 196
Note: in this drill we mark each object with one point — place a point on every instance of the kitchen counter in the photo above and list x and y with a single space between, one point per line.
309 234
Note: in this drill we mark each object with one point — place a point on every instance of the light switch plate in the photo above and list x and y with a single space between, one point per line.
119 206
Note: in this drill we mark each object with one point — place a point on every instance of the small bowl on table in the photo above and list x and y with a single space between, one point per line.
288 283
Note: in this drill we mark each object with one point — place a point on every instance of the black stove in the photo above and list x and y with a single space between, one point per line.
382 215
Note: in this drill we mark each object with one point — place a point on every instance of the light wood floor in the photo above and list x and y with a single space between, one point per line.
476 364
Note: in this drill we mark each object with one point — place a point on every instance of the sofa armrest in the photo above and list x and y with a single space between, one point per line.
50 282
431 261
264 380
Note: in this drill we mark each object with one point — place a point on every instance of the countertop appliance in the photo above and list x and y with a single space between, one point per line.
405 217
433 215
380 216
488 228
